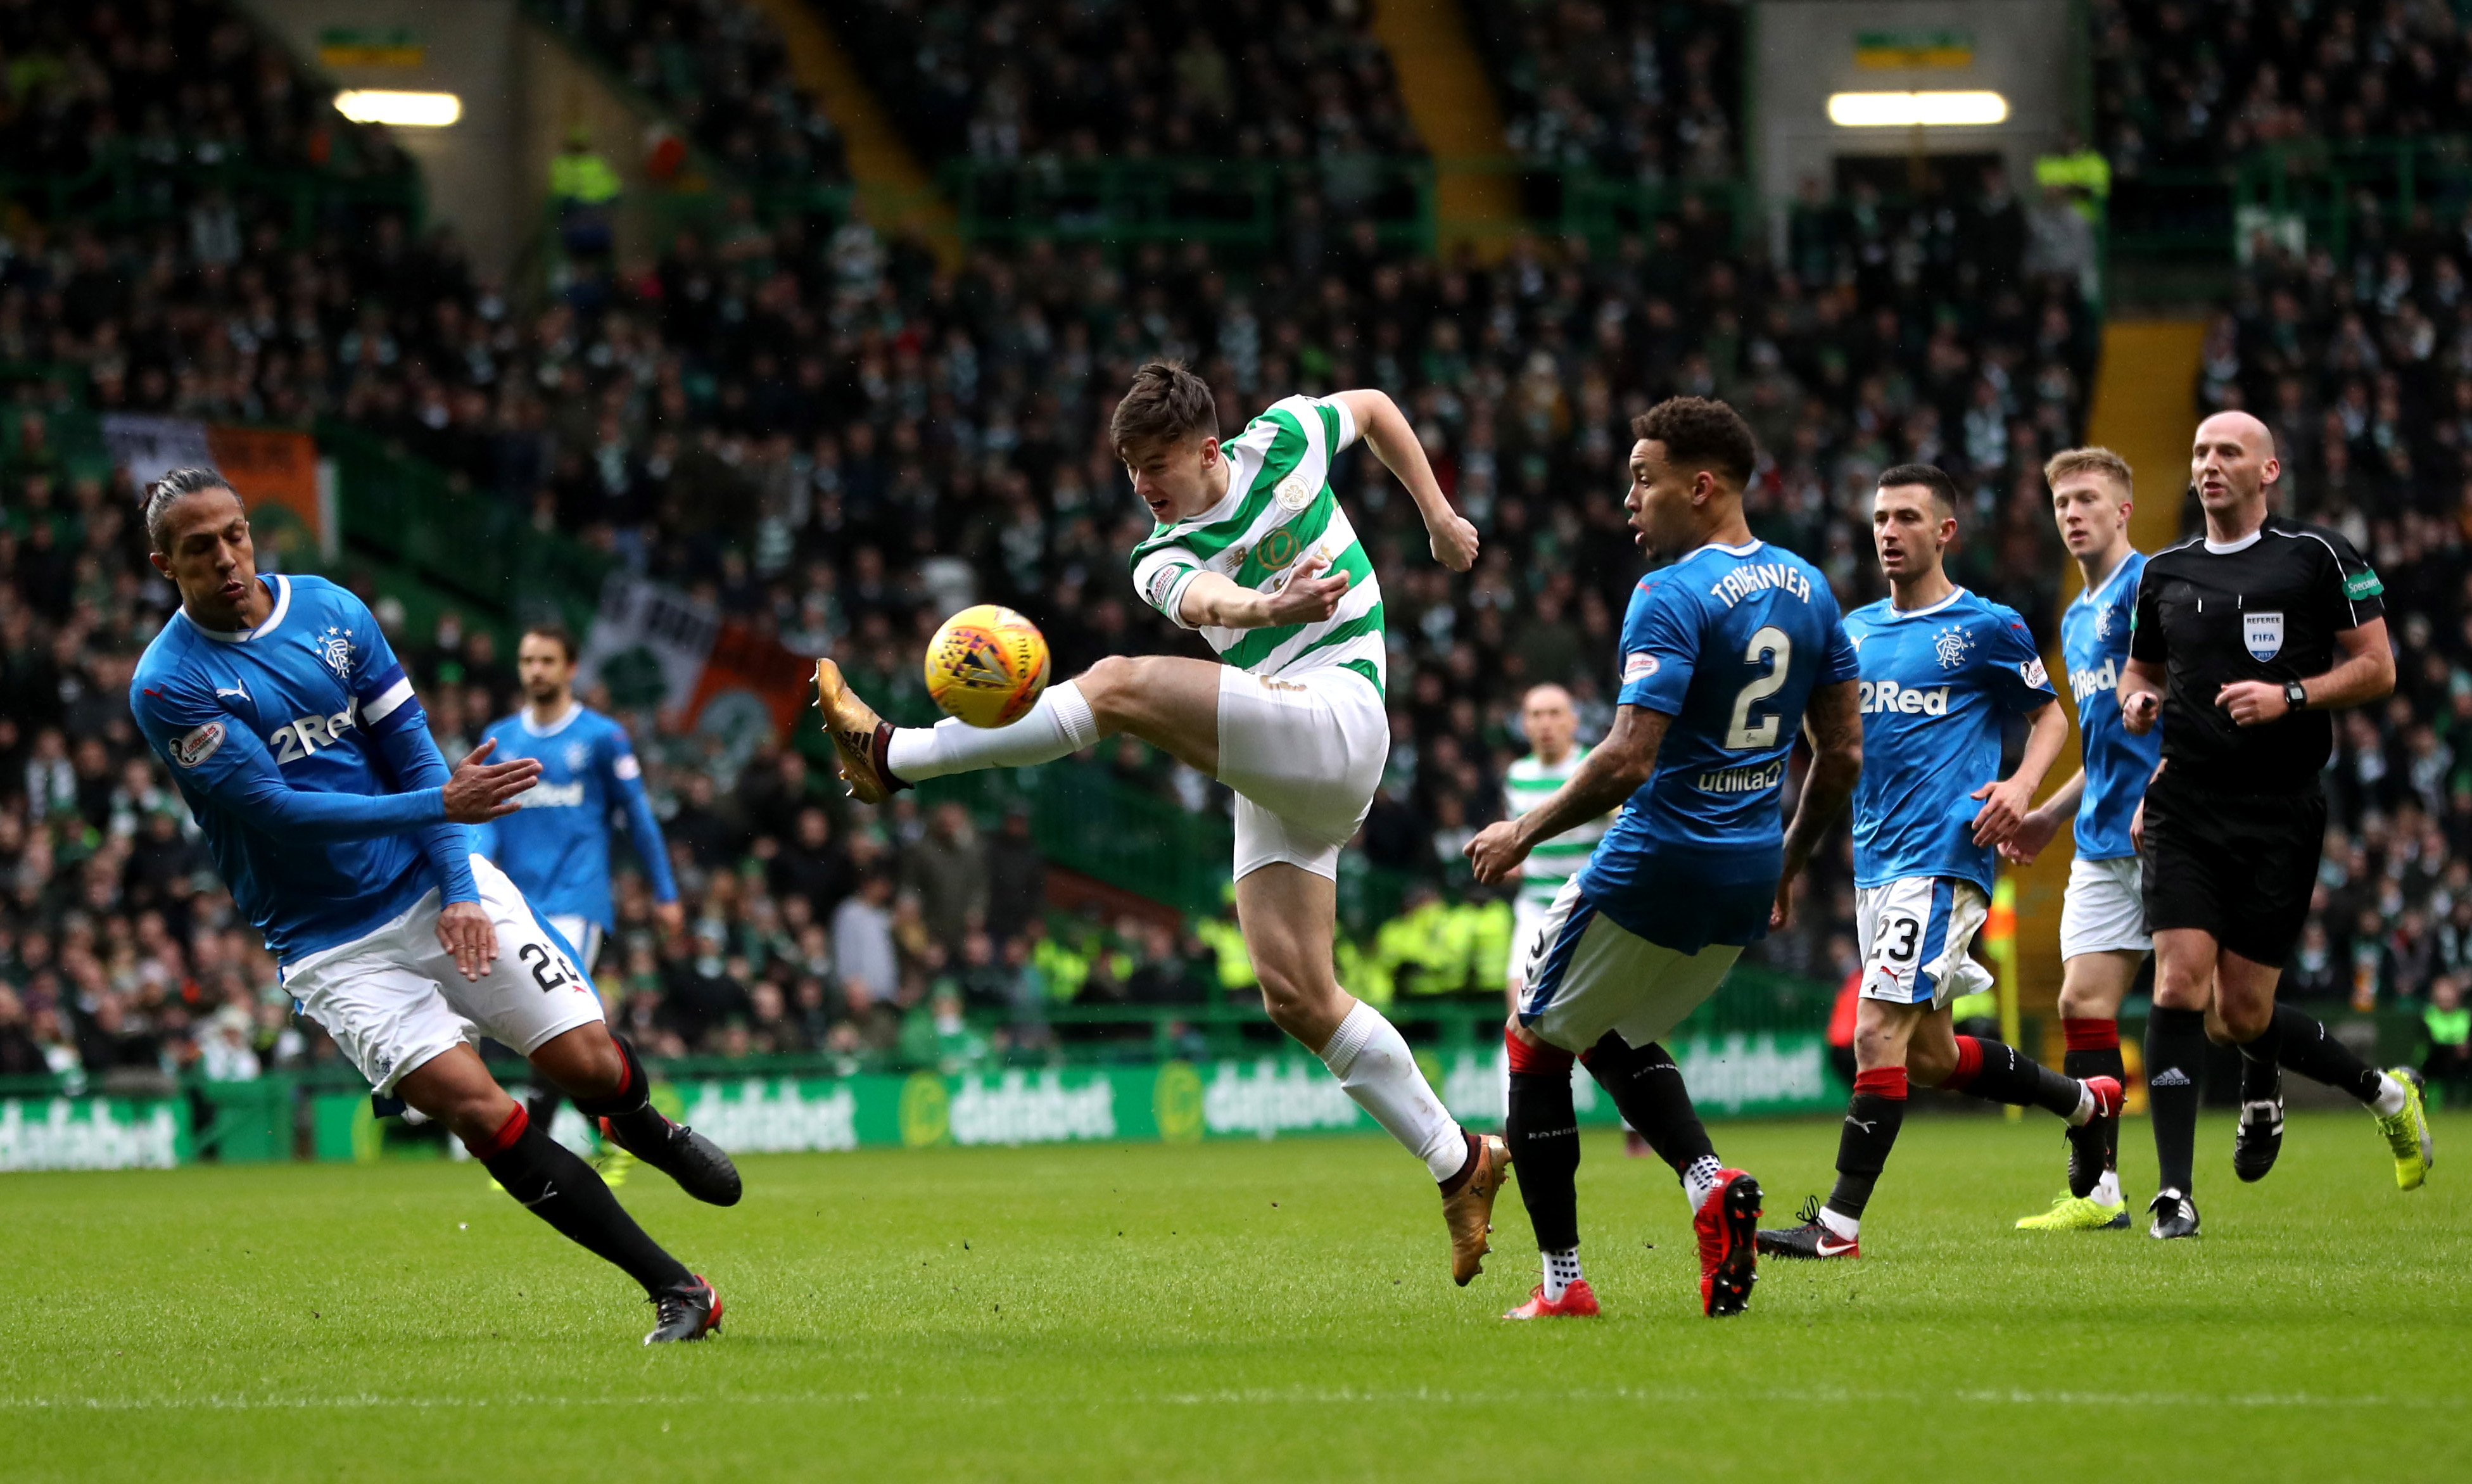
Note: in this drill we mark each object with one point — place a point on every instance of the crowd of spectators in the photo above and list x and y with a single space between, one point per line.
1648 90
815 430
1088 79
721 70
2190 84
174 82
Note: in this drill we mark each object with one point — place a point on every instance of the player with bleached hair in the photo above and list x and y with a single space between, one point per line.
1253 549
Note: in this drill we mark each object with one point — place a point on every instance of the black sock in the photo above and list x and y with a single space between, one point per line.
2261 1075
546 1179
631 1115
1544 1136
1998 1072
541 1105
2176 1055
2304 1044
1873 1119
1646 1089
2105 1062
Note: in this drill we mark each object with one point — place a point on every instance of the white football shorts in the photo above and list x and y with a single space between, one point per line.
1588 974
395 998
582 934
1304 753
2103 909
1527 919
1913 934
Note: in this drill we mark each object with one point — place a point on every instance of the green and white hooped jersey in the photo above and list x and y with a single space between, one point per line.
1278 513
1527 783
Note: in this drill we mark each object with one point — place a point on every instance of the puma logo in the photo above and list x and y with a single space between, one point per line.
1866 1125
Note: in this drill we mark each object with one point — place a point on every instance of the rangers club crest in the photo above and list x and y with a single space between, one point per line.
1950 645
2102 623
2263 633
576 754
335 647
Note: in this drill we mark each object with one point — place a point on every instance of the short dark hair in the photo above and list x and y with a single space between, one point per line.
1166 404
1703 433
553 630
1930 476
170 490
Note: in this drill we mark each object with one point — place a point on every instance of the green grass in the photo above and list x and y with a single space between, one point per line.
1273 1310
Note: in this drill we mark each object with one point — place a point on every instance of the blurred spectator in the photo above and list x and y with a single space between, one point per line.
948 870
864 956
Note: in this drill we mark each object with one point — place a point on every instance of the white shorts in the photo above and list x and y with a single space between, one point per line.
1588 974
395 998
1304 753
1527 919
582 934
1912 935
2104 908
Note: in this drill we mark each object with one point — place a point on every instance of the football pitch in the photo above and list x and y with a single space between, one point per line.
1274 1310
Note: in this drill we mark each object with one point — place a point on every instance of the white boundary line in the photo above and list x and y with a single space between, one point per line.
1242 1397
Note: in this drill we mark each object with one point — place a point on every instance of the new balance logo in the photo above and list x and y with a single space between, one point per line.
2169 1077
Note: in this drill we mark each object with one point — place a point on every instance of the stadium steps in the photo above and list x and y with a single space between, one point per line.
2145 406
1443 85
895 192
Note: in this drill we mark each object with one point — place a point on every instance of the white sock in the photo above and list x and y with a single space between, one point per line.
1698 1178
1561 1271
2391 1096
1837 1221
1059 726
2077 1120
1372 1064
2106 1191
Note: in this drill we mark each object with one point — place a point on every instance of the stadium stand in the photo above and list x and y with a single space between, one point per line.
721 71
1645 89
1033 79
785 419
2184 86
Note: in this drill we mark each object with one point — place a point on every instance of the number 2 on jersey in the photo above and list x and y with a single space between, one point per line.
1772 647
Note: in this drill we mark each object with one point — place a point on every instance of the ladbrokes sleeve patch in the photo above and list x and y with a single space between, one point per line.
1639 665
198 744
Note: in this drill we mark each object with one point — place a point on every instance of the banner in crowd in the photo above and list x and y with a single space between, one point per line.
274 470
654 645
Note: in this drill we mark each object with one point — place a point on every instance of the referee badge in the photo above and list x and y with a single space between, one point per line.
2263 633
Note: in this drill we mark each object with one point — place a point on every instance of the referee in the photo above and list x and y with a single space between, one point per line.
2243 641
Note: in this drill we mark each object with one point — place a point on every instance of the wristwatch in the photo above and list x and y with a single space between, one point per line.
2295 695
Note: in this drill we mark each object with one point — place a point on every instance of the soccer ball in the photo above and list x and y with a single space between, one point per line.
986 665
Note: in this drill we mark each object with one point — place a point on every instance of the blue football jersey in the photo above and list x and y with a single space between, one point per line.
1729 642
557 848
1936 683
2093 644
246 718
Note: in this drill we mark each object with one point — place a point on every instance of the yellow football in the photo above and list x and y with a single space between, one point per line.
986 665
